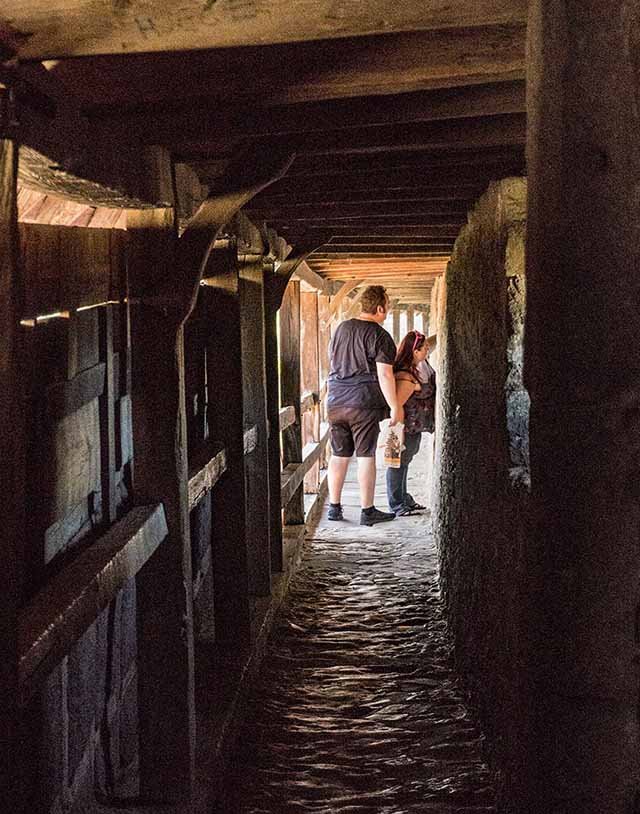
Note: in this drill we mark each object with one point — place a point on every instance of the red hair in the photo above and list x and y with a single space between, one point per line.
414 340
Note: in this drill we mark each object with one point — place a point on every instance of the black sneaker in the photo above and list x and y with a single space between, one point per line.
335 512
369 517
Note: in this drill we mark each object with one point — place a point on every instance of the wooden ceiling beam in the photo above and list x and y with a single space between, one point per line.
330 250
306 194
319 236
472 133
419 106
238 121
358 211
376 273
436 251
435 164
58 28
460 165
338 242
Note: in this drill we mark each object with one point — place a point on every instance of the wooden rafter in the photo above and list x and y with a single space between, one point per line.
76 27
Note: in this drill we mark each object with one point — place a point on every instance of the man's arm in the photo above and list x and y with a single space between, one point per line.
387 382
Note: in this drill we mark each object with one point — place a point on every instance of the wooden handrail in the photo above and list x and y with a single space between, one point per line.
204 472
287 417
293 473
53 622
308 402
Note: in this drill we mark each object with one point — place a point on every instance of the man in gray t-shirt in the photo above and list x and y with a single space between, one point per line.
362 389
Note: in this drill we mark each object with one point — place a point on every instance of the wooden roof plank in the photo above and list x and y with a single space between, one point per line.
60 28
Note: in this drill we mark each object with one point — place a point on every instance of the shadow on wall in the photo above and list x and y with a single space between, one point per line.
481 472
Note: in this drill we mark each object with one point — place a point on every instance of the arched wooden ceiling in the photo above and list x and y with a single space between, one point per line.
399 114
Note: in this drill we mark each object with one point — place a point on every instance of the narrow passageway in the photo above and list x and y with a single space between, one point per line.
357 707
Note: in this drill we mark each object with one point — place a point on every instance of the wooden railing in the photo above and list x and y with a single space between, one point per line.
51 624
59 615
313 452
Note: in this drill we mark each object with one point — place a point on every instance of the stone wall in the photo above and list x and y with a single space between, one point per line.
481 479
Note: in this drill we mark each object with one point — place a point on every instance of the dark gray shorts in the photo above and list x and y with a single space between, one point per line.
354 429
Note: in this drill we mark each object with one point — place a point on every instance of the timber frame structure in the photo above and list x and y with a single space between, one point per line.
191 196
185 199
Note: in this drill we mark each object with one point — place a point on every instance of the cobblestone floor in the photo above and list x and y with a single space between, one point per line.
357 708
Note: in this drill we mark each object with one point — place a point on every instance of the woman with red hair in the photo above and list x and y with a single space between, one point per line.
416 390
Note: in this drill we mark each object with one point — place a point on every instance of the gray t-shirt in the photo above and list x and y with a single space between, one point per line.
356 347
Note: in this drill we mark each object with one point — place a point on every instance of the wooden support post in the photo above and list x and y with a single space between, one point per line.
338 301
220 305
290 392
12 479
396 324
354 308
324 339
581 750
108 418
273 298
165 276
410 318
274 289
164 584
310 380
255 414
273 416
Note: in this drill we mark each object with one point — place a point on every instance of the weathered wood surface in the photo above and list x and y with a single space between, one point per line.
337 301
251 439
410 318
164 585
279 420
324 341
220 303
70 463
306 274
293 474
465 102
310 380
107 417
420 106
67 268
252 304
64 398
308 401
290 392
71 29
396 324
57 617
354 308
205 470
12 473
287 417
165 275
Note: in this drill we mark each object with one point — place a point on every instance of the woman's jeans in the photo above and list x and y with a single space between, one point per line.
397 478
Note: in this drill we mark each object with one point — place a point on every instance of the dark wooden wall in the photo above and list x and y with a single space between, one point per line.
79 477
138 423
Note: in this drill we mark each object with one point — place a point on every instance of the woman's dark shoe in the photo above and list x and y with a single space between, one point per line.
371 516
411 503
335 512
407 511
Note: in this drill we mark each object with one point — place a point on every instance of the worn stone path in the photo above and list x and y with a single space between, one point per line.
357 708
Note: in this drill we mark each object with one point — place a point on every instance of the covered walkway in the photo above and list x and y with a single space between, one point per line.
358 707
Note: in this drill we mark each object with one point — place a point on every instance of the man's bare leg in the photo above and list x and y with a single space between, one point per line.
336 476
367 481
